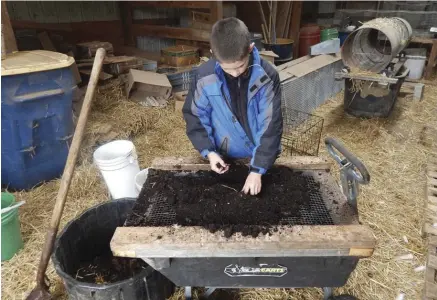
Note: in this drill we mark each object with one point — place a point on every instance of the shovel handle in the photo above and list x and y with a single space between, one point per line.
69 167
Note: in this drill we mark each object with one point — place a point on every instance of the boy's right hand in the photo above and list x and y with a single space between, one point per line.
217 163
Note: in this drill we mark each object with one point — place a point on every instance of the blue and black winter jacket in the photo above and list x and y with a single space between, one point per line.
212 126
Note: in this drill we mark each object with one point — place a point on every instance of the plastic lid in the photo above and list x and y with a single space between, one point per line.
23 62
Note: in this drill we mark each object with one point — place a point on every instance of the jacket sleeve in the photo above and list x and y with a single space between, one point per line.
197 115
269 133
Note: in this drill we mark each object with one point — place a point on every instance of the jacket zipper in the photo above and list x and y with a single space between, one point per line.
238 94
227 101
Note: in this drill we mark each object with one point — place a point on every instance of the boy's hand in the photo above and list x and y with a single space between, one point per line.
253 184
217 163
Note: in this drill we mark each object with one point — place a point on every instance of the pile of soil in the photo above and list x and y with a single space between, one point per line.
107 268
216 202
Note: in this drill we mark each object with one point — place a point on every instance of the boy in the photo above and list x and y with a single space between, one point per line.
233 109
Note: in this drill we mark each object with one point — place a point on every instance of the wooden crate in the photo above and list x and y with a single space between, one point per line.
201 20
180 55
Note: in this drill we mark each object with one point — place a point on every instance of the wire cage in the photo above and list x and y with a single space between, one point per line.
301 133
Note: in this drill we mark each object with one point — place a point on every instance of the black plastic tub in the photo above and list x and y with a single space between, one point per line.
283 48
372 102
89 236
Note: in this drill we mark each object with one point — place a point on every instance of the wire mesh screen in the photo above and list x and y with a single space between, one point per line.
161 213
301 133
316 213
308 92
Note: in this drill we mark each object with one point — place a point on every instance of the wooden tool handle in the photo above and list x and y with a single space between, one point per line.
69 166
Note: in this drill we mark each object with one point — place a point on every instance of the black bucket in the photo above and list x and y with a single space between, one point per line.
89 236
283 48
368 105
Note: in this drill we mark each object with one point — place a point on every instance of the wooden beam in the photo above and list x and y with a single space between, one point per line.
161 21
180 4
126 21
216 8
170 32
198 163
42 26
9 44
327 240
293 32
76 32
422 40
420 81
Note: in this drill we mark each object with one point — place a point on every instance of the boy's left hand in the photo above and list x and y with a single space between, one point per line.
253 184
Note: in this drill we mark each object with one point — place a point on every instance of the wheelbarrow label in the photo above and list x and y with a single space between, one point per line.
258 270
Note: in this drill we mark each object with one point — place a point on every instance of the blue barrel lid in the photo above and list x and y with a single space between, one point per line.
23 62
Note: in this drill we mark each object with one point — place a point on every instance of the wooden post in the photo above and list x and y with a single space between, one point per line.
293 33
9 44
126 21
216 11
432 61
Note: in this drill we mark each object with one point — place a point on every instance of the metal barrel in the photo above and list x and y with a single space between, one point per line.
372 46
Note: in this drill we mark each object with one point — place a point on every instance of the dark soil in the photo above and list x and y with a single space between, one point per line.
216 202
108 269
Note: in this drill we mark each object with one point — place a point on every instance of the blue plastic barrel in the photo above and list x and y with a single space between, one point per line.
343 35
36 117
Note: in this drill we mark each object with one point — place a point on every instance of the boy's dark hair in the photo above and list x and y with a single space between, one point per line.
230 40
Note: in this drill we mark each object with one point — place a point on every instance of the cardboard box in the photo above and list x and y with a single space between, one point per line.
268 56
142 84
180 100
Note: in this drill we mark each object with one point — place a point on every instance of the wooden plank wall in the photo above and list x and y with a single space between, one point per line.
75 21
63 11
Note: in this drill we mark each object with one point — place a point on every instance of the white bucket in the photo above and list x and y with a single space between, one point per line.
141 178
416 58
118 164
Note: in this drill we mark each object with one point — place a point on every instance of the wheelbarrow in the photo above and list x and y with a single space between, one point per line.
295 256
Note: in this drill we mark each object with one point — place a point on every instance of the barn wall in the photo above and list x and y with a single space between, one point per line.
71 21
63 11
155 44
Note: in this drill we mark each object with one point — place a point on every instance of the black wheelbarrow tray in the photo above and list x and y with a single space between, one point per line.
293 257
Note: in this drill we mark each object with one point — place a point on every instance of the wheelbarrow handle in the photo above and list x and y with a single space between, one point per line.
335 148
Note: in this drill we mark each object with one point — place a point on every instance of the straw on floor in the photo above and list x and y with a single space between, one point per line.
395 150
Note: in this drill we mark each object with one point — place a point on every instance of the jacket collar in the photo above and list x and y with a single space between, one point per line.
256 61
258 77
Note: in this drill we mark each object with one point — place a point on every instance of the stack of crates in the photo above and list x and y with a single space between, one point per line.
36 117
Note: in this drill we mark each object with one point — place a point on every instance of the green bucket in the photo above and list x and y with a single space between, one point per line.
328 34
11 233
